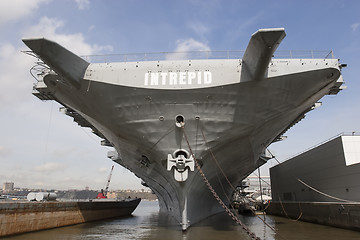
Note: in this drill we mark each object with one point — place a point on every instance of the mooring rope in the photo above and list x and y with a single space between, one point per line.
235 218
218 165
170 129
214 158
324 194
217 175
295 220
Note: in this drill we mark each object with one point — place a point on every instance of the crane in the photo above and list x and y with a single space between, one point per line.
103 193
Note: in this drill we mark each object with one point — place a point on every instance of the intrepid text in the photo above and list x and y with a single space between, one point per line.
177 78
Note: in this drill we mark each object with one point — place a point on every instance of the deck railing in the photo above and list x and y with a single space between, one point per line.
193 55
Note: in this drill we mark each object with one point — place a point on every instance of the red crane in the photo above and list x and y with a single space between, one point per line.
103 193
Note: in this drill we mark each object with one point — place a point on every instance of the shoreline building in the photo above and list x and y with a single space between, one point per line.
8 187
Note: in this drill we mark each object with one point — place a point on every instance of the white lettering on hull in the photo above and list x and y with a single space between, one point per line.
177 78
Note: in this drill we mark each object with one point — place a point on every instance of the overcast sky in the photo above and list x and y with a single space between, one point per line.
42 148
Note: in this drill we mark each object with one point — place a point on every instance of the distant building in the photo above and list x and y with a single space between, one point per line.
111 195
8 186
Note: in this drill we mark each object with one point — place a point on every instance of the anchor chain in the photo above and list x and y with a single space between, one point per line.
216 196
217 163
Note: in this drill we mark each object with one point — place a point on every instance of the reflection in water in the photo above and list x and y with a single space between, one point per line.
148 224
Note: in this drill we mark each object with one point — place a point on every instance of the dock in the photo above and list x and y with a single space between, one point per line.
335 214
320 185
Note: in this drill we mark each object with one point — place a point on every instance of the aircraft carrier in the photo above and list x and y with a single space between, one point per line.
190 128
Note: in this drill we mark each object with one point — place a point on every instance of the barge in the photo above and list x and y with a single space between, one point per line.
18 217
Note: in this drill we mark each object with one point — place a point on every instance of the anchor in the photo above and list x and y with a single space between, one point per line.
181 165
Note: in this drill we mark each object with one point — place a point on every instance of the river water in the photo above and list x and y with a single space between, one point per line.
147 223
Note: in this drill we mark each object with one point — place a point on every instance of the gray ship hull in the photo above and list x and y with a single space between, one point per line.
164 118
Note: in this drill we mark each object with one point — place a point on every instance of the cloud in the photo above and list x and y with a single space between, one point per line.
243 27
83 4
355 26
17 9
61 153
4 151
92 27
102 48
27 118
50 167
199 28
190 45
189 48
208 6
15 66
50 28
103 170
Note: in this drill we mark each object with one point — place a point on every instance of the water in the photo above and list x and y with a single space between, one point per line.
148 224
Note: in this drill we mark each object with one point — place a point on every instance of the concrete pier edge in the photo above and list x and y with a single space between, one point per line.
335 214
